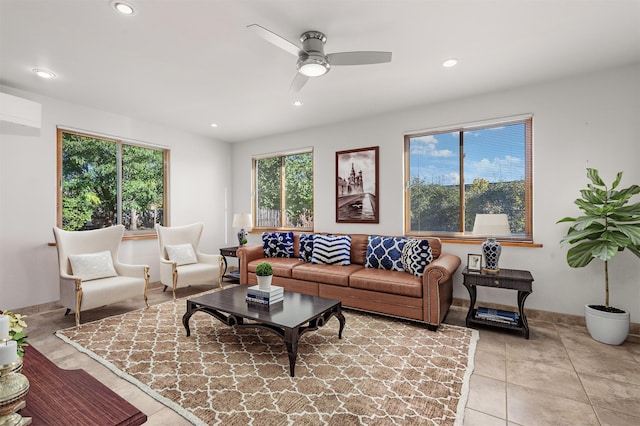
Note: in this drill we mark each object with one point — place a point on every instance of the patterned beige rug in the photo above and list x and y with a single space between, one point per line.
382 372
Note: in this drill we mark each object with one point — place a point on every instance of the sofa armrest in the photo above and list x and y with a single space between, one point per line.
437 287
245 255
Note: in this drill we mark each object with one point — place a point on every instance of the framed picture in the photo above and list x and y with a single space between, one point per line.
357 186
474 262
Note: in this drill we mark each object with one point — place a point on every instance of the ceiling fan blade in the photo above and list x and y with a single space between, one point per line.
358 58
298 82
275 39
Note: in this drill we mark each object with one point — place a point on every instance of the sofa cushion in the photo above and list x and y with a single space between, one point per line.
416 255
385 253
282 266
326 274
277 244
92 266
306 247
331 249
392 282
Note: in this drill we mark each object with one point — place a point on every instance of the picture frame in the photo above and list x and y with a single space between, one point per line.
357 194
474 262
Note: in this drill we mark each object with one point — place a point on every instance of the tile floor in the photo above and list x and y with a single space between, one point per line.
560 376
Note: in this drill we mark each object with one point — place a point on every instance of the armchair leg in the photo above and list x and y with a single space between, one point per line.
78 300
164 289
175 279
146 285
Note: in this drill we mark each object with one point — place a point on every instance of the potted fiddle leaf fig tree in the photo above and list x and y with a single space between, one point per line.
610 223
264 274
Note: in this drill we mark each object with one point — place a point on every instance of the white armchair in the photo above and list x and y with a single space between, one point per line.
181 262
90 273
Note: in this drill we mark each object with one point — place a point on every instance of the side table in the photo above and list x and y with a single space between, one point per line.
229 252
509 279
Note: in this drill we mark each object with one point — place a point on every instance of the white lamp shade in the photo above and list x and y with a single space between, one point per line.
492 225
241 220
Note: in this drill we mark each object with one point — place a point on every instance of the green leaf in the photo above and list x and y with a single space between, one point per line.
631 231
617 181
615 237
573 235
567 219
581 254
635 249
631 210
594 177
583 222
604 250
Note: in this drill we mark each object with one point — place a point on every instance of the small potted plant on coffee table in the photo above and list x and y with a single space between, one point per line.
264 274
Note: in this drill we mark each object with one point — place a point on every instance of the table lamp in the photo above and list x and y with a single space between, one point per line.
491 226
242 221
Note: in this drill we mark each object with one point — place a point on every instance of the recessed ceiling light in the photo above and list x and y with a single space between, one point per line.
43 73
450 63
123 8
297 103
213 125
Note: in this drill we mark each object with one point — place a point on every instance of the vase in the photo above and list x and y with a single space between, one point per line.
491 250
607 327
264 282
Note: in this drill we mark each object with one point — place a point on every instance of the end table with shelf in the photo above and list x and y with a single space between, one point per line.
509 279
229 252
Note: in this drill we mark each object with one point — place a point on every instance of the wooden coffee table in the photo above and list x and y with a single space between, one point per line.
289 319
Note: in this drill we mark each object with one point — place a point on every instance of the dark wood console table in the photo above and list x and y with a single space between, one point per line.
511 279
72 397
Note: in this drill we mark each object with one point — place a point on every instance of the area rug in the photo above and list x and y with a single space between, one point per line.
383 371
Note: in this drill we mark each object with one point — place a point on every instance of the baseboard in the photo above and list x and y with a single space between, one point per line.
555 317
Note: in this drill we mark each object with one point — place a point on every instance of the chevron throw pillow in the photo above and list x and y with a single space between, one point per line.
306 247
385 253
416 255
331 250
277 244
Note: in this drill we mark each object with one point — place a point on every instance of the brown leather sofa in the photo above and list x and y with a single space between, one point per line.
395 293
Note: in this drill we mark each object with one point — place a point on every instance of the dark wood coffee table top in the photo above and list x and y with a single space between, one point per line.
71 397
295 315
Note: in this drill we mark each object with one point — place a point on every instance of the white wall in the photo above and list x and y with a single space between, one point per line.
579 122
200 175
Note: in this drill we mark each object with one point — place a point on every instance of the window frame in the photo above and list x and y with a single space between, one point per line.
461 236
128 234
254 189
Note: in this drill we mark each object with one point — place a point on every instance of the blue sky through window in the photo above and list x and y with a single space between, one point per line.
495 154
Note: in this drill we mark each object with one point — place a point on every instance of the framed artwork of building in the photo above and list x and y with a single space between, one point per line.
357 186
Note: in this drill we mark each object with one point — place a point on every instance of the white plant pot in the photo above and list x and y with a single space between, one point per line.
264 283
607 327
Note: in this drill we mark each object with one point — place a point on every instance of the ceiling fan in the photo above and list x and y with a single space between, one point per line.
312 61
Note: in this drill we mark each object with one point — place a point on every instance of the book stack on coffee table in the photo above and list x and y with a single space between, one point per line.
275 294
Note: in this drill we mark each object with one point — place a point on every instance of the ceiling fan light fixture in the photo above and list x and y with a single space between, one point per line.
313 66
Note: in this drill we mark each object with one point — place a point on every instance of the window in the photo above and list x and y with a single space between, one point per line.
105 181
453 174
283 191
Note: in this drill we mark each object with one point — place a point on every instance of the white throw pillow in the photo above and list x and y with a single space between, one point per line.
182 254
92 266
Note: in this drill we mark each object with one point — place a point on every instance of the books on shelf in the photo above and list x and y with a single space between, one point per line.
267 297
498 315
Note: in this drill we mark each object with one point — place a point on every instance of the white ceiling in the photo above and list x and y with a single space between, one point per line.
188 63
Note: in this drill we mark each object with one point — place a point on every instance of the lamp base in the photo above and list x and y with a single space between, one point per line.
490 271
242 237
